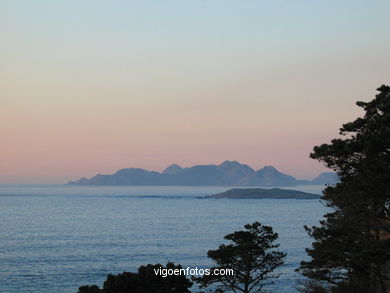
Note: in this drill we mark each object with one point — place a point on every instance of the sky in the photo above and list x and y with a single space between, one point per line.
91 87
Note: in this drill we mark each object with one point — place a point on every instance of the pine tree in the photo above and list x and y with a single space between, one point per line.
252 255
351 248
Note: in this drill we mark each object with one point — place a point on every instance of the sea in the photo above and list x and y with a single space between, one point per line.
55 238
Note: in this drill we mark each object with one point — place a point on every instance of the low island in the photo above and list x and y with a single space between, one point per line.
260 193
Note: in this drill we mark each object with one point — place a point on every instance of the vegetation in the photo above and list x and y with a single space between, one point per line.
251 258
144 281
260 193
89 289
252 254
351 251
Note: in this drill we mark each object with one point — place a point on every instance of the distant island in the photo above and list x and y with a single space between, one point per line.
229 173
261 193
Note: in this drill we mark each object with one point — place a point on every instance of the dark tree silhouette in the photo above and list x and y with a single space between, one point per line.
351 251
252 254
144 281
89 289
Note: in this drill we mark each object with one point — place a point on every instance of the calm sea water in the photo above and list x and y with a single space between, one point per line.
57 238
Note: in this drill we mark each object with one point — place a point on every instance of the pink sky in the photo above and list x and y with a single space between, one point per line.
53 140
78 98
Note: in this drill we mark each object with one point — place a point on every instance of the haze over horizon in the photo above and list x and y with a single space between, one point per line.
94 86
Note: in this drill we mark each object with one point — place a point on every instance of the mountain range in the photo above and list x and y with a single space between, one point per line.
229 173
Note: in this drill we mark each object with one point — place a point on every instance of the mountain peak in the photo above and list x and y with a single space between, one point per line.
269 168
270 176
230 163
172 169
